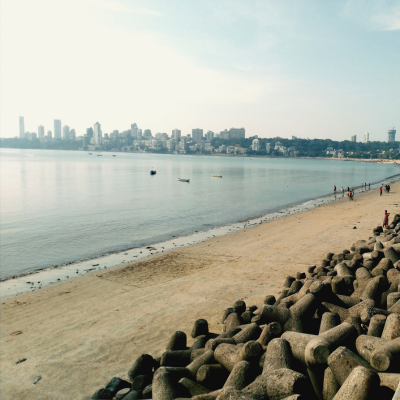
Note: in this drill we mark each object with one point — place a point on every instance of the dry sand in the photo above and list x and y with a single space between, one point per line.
80 334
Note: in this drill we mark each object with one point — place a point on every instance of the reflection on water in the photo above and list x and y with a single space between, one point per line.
59 206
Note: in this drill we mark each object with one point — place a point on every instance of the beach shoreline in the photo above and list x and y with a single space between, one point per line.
97 325
18 284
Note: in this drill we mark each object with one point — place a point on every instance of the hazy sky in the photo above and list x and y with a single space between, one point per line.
317 69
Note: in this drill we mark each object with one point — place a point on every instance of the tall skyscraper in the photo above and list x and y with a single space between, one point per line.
72 134
366 137
353 138
57 129
391 135
49 135
210 136
176 134
134 131
197 134
97 133
139 134
65 135
40 131
21 128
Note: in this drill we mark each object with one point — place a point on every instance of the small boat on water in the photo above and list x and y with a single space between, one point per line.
99 155
114 155
216 176
153 172
90 153
183 180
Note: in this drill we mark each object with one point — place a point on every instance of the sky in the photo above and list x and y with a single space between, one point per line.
312 69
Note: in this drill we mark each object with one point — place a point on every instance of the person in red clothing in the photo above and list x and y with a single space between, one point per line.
386 218
380 190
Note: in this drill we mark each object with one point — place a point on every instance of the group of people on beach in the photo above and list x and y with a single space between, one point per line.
350 192
387 189
350 195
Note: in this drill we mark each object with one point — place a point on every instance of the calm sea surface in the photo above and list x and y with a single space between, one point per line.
59 206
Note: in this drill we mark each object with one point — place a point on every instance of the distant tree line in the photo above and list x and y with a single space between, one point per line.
304 147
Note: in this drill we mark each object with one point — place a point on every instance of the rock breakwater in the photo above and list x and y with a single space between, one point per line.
332 334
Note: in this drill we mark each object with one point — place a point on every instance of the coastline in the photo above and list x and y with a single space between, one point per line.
18 284
97 325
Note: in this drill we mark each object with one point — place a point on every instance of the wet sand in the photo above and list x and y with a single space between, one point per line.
78 335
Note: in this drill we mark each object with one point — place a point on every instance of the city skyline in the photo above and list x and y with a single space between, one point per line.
196 133
307 69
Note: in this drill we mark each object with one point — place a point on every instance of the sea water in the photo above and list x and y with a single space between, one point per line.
62 206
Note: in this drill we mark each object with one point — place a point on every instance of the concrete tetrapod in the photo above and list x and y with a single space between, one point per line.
163 386
206 358
269 332
193 388
361 384
278 384
242 374
330 385
376 325
386 356
392 327
278 355
342 361
318 349
212 376
177 341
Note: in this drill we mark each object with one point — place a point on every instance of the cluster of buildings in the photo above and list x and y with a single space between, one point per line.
391 136
138 139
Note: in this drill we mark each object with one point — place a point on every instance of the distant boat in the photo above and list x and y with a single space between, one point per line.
90 153
99 155
153 172
216 176
114 155
183 180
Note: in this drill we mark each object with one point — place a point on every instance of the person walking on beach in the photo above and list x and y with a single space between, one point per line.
386 218
369 186
334 189
380 190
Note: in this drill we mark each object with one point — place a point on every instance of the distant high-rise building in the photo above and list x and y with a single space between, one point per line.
255 146
97 134
40 131
49 135
21 128
57 129
366 137
354 138
210 136
237 133
233 133
65 134
147 133
139 134
294 137
134 131
268 147
72 134
89 133
183 143
197 135
176 134
391 135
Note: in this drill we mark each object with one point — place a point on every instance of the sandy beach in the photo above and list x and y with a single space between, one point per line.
78 335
